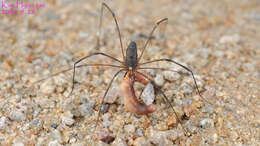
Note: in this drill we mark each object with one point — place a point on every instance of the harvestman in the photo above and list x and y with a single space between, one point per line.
131 66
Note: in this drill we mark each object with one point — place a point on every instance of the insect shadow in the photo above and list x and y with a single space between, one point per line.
132 66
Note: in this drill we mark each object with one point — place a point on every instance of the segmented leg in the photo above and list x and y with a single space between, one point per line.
94 54
79 66
102 102
157 68
150 36
186 68
104 5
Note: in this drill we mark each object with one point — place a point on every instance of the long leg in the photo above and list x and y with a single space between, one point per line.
117 26
164 69
99 27
165 97
162 32
74 66
102 102
79 66
150 36
186 68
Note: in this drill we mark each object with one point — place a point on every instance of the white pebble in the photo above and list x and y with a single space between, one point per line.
17 115
160 137
159 80
129 128
148 94
171 76
47 87
187 89
106 120
206 123
139 132
119 142
54 143
3 122
68 121
55 134
73 140
141 141
60 80
229 39
86 108
18 144
67 118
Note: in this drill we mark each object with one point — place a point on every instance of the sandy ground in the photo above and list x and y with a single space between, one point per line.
218 40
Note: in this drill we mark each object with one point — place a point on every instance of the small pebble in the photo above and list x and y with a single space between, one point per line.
36 122
248 67
139 132
17 115
47 87
72 140
210 93
207 108
229 39
3 123
141 141
68 121
187 89
215 137
119 142
54 143
86 108
171 76
172 121
129 128
234 135
83 35
205 52
161 137
190 125
45 102
80 143
54 125
56 134
18 144
67 118
206 123
148 94
106 120
161 126
59 81
159 80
